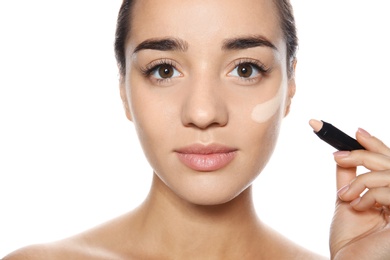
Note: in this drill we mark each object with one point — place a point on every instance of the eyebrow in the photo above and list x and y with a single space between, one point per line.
176 44
241 43
163 44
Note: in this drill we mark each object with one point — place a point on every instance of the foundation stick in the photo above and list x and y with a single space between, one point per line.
335 137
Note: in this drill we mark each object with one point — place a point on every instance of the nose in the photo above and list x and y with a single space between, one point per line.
204 105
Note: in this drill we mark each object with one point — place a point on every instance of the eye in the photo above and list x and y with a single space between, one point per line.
164 71
246 70
161 71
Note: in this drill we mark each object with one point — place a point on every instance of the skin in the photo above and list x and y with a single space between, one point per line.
204 105
263 112
190 214
360 229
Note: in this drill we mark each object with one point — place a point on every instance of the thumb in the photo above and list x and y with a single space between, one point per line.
344 176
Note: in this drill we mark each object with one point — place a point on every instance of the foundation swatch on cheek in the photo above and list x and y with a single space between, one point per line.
264 111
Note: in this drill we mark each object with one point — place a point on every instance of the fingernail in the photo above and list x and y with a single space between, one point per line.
355 201
341 154
363 132
342 190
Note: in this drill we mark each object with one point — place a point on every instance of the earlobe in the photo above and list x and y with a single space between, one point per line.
123 93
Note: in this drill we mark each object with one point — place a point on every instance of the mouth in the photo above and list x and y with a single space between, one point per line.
206 158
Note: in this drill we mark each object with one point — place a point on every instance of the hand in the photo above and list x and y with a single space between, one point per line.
360 228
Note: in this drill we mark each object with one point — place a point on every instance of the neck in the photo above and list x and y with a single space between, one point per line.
185 226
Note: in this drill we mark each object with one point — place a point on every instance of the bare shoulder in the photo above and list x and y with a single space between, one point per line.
33 252
102 242
293 251
71 248
290 249
62 250
308 255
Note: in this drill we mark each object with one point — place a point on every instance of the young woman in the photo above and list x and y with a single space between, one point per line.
207 84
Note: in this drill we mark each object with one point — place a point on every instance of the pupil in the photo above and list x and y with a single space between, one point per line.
245 70
165 71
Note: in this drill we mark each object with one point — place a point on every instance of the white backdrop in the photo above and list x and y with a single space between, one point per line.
70 160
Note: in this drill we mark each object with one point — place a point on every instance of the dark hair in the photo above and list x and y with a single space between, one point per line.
287 23
121 34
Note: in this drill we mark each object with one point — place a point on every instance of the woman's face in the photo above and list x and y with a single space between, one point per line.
206 87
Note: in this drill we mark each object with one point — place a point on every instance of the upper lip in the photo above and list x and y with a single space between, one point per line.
205 149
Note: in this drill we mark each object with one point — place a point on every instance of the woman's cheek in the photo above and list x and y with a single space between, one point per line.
262 112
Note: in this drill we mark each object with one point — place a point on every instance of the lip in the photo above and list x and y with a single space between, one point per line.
206 158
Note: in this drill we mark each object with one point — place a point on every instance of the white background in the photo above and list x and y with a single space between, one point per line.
70 160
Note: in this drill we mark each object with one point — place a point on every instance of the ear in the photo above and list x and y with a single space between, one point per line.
125 101
291 88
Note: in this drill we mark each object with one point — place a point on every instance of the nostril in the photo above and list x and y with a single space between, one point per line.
203 118
205 126
204 105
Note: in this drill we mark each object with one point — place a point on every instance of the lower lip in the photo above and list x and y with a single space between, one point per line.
206 162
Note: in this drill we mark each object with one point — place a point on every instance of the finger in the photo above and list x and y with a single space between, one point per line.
344 176
371 143
364 181
371 160
371 198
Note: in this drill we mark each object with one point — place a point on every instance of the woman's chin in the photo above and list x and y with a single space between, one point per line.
210 196
207 188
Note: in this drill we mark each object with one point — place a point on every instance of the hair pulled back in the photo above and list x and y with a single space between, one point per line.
286 17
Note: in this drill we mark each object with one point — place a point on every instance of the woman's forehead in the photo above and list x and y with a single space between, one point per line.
204 20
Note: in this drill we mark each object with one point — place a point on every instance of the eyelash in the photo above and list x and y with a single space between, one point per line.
151 68
263 70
